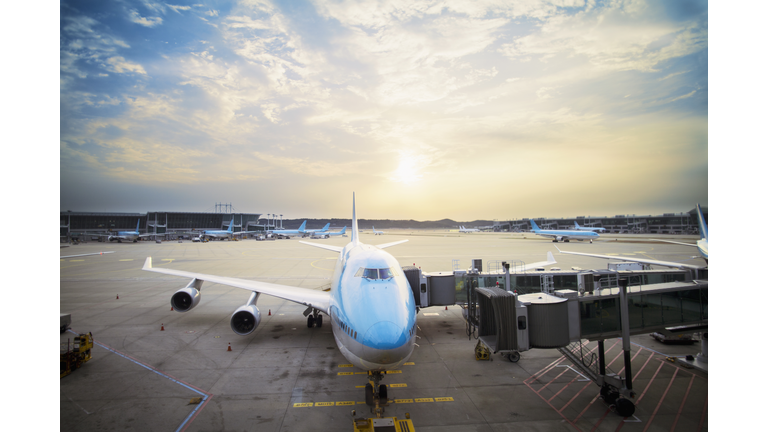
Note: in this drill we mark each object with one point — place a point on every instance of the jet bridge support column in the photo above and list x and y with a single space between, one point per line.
624 308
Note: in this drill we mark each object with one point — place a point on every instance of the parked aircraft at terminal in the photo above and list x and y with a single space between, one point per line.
563 235
315 231
291 233
220 234
328 234
371 306
581 228
133 236
702 245
467 230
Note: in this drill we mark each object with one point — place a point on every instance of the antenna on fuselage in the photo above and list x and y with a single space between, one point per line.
355 237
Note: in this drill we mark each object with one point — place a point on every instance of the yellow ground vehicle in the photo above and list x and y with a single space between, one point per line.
80 353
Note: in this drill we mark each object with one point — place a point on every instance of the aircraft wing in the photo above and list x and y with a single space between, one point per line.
639 260
317 299
323 246
674 242
386 245
550 260
95 253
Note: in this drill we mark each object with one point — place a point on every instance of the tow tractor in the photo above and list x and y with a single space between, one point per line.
80 353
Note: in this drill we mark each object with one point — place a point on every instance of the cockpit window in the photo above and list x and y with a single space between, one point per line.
372 273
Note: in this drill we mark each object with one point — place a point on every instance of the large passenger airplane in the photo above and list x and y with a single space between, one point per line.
376 232
316 231
563 235
370 305
133 236
702 244
291 233
467 230
329 234
220 234
581 228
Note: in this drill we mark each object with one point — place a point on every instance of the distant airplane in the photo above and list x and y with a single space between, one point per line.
316 231
133 236
371 306
291 233
376 232
220 234
581 228
563 235
467 230
702 245
330 234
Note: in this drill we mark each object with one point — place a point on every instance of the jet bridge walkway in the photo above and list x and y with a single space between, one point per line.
510 323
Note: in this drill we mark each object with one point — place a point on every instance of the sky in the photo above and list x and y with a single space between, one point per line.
426 110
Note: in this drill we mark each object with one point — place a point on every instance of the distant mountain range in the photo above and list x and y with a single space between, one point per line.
380 224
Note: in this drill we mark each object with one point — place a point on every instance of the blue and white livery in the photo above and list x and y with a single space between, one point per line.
133 236
578 227
370 305
563 235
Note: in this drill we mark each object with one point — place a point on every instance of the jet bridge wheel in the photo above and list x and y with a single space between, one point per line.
514 356
624 407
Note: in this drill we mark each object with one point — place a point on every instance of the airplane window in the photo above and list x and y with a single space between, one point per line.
371 274
385 273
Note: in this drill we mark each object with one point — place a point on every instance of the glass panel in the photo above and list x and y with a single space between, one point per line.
371 273
590 319
652 310
691 303
609 315
360 272
672 310
385 273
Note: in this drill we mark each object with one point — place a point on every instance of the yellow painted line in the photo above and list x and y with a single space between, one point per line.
396 385
346 365
393 372
76 260
444 399
403 401
345 403
409 364
361 373
359 386
323 403
424 400
300 405
322 268
131 259
168 259
345 373
360 403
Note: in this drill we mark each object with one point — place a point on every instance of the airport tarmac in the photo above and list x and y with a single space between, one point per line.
149 362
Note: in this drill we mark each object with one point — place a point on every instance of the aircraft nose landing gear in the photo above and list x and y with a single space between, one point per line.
375 393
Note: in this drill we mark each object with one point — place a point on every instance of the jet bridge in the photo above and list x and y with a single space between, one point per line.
512 312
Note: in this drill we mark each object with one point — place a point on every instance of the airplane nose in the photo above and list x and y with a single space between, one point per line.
384 335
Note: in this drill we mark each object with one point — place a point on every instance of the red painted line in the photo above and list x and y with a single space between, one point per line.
545 370
574 398
703 414
600 421
630 361
644 365
658 405
551 406
561 390
553 380
649 383
682 404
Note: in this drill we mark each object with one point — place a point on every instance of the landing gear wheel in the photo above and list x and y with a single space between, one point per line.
369 394
566 241
514 356
625 407
319 321
383 392
310 321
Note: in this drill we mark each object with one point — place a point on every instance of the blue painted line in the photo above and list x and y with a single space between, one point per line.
205 396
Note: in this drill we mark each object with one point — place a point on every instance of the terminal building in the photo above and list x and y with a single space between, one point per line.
166 225
668 223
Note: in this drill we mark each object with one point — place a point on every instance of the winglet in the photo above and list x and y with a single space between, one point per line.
147 264
551 258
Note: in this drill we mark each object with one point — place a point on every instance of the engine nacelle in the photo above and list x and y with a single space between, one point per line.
245 320
185 299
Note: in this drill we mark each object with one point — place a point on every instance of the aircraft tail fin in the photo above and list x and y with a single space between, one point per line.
355 233
534 227
576 225
138 224
703 230
325 228
344 230
303 226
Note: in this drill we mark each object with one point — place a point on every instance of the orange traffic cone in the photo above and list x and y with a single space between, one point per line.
446 308
171 308
118 297
162 327
229 346
270 312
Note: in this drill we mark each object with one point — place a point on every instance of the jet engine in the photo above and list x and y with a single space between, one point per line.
185 299
245 319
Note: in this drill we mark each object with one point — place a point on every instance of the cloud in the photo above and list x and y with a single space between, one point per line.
120 65
133 16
